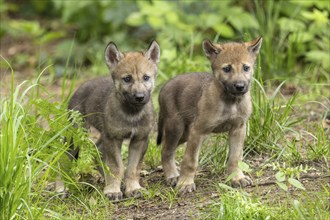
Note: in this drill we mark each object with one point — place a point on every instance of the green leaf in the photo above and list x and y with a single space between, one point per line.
291 25
244 20
282 186
224 186
319 17
51 36
280 176
296 183
244 166
135 19
230 177
224 30
156 22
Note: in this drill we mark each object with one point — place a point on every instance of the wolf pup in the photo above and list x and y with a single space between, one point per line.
196 104
120 107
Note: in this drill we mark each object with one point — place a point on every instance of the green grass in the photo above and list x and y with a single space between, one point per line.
237 204
32 147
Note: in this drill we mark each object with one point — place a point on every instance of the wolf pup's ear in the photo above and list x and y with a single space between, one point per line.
153 52
210 50
254 46
112 55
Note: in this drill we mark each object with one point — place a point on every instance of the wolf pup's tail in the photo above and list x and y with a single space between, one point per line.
160 130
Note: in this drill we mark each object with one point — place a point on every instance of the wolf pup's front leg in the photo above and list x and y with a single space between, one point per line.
236 143
112 157
136 151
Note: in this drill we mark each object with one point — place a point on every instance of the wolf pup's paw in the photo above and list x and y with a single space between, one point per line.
183 189
172 181
241 182
62 192
63 195
138 193
114 196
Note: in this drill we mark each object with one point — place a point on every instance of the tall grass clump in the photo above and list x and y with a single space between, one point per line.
14 184
271 118
33 133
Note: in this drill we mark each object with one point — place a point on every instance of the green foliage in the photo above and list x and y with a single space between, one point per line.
214 154
293 30
319 148
152 156
33 129
287 176
270 119
235 204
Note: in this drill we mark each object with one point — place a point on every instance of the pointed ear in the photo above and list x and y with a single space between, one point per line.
153 52
254 46
112 55
210 50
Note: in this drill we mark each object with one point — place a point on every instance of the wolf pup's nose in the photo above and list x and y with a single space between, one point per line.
240 87
139 97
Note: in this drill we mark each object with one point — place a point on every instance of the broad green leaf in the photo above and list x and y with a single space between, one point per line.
135 19
224 186
291 25
320 17
296 183
244 20
172 17
210 20
244 166
156 22
51 36
282 185
224 30
230 177
280 176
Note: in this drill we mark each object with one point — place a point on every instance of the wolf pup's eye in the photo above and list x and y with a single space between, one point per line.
246 68
146 77
127 78
226 69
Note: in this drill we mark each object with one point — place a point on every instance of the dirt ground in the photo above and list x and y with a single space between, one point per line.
192 206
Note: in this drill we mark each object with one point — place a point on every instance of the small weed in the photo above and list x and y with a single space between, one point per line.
319 148
287 176
169 196
234 204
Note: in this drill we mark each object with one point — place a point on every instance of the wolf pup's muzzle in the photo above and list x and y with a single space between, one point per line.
138 98
237 88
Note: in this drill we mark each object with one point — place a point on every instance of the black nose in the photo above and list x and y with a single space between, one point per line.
240 87
139 97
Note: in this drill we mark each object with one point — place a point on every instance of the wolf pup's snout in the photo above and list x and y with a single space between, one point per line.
139 97
240 87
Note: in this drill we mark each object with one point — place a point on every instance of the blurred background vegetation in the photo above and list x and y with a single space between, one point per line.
37 33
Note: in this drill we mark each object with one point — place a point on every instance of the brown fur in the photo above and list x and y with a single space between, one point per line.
197 104
120 107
